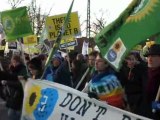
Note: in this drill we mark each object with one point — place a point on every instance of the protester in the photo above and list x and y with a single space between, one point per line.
12 94
133 80
35 68
17 66
53 68
101 82
27 58
153 83
78 71
13 97
12 87
63 75
43 58
91 60
91 66
81 58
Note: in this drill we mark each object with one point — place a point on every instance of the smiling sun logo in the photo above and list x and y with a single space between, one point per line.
34 95
8 24
143 9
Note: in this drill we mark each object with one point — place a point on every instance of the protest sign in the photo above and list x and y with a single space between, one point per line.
54 25
68 42
12 45
30 40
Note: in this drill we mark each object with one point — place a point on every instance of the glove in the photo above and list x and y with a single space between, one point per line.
156 105
93 95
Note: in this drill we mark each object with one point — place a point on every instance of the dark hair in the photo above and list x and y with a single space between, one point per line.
72 55
27 58
94 53
17 58
77 69
77 64
100 55
42 57
35 63
136 55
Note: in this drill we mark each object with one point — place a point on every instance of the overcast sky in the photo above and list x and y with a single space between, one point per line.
111 8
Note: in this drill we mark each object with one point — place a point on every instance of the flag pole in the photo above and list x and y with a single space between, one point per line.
68 59
82 79
58 40
23 55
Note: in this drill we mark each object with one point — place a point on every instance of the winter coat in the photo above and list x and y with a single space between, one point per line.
134 82
63 75
152 86
12 91
19 70
50 73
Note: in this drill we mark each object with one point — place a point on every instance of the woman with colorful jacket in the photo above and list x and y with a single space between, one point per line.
105 85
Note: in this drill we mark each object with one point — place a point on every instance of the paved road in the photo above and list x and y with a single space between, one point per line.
3 110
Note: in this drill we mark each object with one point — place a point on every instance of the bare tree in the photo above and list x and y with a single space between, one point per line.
36 17
99 24
15 3
35 13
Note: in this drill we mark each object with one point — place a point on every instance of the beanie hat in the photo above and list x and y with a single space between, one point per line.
58 57
35 63
153 50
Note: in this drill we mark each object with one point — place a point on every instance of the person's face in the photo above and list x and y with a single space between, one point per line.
100 64
91 61
55 62
14 62
131 61
153 61
33 71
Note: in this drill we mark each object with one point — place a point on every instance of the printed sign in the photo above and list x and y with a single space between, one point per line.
12 45
115 53
54 24
45 100
30 40
68 42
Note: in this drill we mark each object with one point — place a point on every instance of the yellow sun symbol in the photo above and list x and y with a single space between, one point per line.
8 24
117 46
32 99
143 9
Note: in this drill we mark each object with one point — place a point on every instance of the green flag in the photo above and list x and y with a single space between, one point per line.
16 23
142 23
58 40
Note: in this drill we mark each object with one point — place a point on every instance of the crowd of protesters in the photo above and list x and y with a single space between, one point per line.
134 87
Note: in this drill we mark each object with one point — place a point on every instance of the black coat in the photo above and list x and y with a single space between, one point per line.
12 93
133 80
63 75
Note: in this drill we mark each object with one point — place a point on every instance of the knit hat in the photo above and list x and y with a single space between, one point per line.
58 57
35 63
154 50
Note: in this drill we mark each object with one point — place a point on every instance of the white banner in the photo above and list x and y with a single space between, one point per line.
46 100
